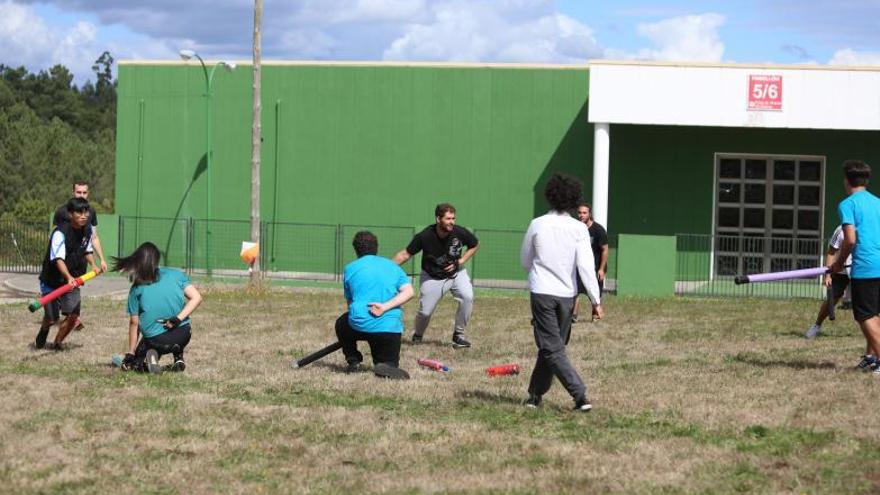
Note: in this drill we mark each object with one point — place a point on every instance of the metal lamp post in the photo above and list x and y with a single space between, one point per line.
209 95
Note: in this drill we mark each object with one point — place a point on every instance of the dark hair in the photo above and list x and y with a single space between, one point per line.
856 172
365 243
442 209
78 205
80 182
142 265
563 192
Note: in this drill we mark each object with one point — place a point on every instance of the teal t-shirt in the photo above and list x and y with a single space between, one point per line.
162 299
862 211
373 279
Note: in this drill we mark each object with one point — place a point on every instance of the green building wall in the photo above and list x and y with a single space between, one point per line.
347 145
661 177
353 146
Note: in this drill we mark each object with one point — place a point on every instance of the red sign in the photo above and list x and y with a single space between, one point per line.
765 93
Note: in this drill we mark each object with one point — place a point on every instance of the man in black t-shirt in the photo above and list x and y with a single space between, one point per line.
445 248
62 218
599 245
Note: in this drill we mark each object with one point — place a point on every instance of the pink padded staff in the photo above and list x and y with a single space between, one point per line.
776 276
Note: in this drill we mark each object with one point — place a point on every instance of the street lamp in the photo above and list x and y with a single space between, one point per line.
209 95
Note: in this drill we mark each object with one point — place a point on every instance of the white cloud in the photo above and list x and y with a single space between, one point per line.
506 31
848 56
25 39
687 38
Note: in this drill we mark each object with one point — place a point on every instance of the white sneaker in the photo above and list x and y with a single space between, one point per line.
813 331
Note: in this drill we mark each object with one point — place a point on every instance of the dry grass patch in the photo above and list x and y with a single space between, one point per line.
691 396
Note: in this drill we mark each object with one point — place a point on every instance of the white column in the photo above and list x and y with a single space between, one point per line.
601 154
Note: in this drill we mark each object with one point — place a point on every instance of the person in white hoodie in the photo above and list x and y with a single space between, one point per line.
555 250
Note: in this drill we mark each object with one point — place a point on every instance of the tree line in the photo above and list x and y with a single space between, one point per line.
53 133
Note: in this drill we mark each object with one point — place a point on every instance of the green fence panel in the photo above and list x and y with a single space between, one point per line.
646 265
301 248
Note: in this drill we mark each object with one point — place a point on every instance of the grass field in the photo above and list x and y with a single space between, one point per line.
690 396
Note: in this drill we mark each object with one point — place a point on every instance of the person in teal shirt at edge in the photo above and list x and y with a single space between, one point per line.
160 303
860 217
375 288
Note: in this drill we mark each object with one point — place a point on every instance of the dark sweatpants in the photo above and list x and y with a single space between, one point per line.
551 320
173 341
384 346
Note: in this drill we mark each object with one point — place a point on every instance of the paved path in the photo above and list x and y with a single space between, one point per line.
20 287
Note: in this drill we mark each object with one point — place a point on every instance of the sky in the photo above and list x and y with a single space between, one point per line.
40 34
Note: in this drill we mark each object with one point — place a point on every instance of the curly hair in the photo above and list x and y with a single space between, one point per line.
563 192
364 243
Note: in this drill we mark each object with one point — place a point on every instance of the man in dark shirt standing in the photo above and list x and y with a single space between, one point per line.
599 245
443 245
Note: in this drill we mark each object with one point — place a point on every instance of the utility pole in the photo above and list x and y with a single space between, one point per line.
256 275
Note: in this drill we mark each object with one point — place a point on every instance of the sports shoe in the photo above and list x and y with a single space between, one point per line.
151 362
458 341
583 405
178 365
868 361
416 338
384 370
533 402
42 335
353 367
78 325
845 305
813 331
574 318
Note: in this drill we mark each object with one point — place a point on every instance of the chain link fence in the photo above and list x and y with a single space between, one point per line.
707 264
22 246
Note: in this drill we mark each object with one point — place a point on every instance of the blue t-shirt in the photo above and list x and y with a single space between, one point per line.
372 279
862 211
162 299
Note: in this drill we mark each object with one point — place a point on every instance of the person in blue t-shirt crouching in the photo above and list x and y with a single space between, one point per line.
375 288
160 302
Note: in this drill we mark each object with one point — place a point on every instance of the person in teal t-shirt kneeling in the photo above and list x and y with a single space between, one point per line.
375 288
160 302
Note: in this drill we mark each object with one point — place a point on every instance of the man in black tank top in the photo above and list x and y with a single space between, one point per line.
67 256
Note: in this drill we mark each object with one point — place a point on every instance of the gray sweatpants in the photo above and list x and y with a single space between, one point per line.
432 290
551 319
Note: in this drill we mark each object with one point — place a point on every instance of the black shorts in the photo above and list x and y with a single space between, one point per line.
839 283
865 298
583 290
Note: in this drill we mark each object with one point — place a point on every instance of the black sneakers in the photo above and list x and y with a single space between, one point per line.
458 341
42 335
353 367
384 370
151 362
178 365
416 338
582 405
534 401
868 361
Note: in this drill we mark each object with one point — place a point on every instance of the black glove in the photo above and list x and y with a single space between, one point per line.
128 361
172 322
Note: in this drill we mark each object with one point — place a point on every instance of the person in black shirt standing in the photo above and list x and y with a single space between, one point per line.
443 254
62 217
599 245
69 250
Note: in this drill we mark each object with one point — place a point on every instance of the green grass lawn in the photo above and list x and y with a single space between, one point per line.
690 395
